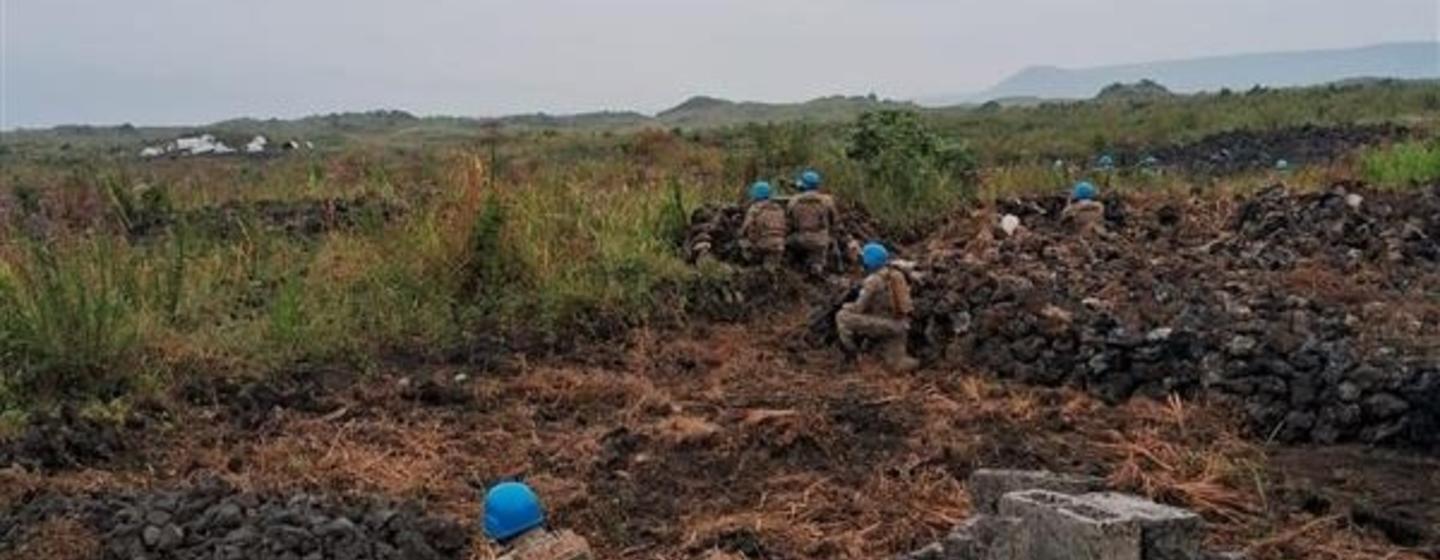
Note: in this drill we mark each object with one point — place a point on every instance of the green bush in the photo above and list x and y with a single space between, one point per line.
1411 163
490 265
910 174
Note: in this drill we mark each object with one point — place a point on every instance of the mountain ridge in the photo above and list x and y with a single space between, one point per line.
1403 60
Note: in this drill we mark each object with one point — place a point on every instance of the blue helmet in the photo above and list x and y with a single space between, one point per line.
1106 162
874 256
809 180
760 191
1282 164
511 509
1084 191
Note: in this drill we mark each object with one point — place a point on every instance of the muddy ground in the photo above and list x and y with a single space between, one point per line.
742 436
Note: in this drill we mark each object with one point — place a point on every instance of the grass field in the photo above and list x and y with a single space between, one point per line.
118 272
386 272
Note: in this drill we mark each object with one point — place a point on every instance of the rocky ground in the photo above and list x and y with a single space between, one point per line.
1125 356
1315 312
1248 150
213 520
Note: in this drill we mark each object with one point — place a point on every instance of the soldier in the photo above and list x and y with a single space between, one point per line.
1084 213
881 311
814 215
1105 166
762 234
515 520
700 245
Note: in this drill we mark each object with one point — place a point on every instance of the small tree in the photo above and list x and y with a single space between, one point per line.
911 174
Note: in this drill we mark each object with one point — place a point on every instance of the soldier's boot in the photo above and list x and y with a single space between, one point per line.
897 356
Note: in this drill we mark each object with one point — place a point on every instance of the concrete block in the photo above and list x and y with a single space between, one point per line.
1167 533
994 536
1055 526
988 485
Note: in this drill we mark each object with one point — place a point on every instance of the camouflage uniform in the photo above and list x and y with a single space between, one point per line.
1086 216
814 215
701 243
881 312
540 544
762 234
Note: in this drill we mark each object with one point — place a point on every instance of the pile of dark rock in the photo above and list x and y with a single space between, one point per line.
1134 313
1346 226
1244 150
66 439
214 521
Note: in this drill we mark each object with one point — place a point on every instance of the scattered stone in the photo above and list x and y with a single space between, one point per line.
1009 223
1241 346
213 520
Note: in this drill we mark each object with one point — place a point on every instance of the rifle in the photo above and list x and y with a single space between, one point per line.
822 321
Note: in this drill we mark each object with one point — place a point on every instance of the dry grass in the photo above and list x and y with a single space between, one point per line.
57 539
1210 474
728 439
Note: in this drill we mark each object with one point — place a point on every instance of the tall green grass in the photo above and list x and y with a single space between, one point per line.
1406 164
589 240
68 320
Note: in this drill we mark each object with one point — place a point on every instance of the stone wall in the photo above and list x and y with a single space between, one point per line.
1161 305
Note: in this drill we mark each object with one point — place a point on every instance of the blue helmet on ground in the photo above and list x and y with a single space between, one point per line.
874 256
1106 162
1084 190
1282 164
760 191
809 180
511 509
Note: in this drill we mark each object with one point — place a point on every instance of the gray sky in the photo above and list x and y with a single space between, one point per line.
196 61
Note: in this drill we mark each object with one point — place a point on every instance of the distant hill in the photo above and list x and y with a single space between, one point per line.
1139 91
339 128
704 111
1277 69
600 119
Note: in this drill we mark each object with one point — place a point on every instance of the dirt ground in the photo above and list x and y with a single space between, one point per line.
738 438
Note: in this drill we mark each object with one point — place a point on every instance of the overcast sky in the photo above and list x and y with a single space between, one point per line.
196 61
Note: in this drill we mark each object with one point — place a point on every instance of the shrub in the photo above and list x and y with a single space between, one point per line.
1411 163
67 321
911 175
